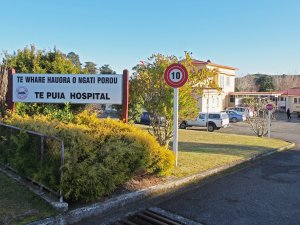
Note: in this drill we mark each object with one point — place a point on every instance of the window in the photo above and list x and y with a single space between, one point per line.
228 81
299 100
214 116
202 116
282 99
221 82
295 100
232 98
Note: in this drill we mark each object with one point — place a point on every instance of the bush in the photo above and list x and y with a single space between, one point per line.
100 155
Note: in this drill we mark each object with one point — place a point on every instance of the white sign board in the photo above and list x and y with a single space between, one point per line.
62 88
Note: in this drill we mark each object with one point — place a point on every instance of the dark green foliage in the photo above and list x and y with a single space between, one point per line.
74 58
106 69
90 68
265 83
23 153
62 112
100 172
31 60
135 104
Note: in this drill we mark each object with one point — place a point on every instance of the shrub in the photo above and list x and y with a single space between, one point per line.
100 155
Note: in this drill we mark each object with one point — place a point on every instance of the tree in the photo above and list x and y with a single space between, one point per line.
265 83
246 83
90 67
158 96
74 58
105 69
259 121
31 60
136 102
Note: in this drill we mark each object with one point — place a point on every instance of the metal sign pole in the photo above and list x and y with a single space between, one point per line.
176 76
269 124
175 134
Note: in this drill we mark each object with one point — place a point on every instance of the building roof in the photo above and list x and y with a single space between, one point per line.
253 93
291 92
209 63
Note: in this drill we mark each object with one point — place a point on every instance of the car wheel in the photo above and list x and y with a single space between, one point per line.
183 125
234 120
211 127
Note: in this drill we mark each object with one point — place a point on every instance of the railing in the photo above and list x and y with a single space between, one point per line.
34 156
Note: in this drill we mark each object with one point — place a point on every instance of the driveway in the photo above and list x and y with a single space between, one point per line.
266 192
280 128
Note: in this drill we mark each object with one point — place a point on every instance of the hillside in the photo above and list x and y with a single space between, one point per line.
264 82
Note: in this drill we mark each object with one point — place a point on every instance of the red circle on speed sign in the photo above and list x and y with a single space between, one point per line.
176 75
269 107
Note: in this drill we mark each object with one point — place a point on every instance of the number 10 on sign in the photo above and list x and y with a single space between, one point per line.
176 76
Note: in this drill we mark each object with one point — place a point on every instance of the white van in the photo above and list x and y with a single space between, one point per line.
242 110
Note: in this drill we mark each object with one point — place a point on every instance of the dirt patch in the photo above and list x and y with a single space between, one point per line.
142 181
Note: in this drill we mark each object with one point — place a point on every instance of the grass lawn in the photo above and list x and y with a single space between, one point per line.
18 205
202 150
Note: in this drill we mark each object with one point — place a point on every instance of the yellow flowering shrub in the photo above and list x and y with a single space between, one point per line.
100 154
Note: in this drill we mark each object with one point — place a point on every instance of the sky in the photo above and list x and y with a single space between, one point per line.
255 36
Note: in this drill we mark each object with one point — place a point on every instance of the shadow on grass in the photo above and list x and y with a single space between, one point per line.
224 149
20 206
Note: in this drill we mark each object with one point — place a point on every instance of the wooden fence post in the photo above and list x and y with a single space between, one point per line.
9 95
125 96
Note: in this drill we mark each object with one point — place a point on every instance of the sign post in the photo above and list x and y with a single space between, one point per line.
269 107
176 76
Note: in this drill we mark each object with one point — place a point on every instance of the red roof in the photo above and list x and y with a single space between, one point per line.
291 92
209 63
253 93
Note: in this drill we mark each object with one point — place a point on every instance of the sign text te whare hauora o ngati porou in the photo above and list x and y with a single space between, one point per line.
62 88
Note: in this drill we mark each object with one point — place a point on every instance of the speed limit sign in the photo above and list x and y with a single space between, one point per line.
176 75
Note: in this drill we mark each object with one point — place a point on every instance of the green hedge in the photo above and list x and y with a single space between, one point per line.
100 155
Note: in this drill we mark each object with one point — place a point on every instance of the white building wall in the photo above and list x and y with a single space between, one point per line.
290 103
295 106
213 101
228 84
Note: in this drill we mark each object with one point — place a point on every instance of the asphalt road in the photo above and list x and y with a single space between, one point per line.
266 192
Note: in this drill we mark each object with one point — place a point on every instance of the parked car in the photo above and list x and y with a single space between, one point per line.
234 116
145 119
215 120
242 110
